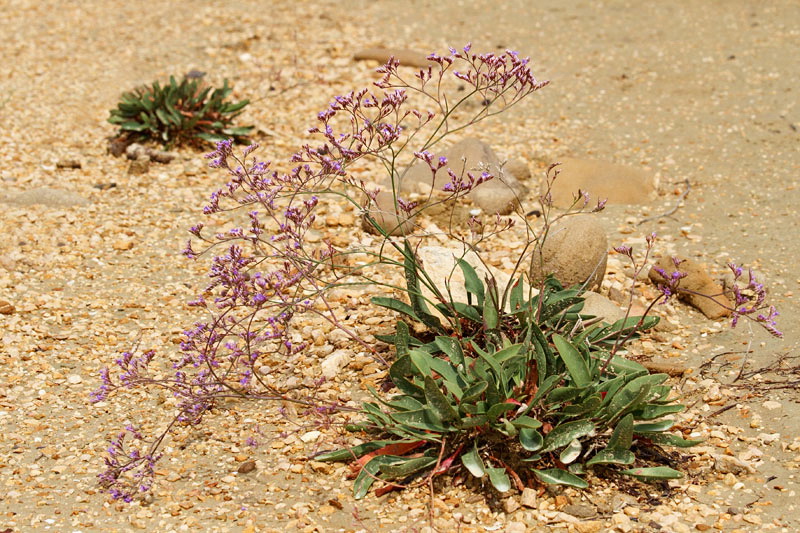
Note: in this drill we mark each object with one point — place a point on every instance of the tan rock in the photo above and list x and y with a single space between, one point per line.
407 58
697 288
140 165
499 195
618 184
575 250
6 308
598 305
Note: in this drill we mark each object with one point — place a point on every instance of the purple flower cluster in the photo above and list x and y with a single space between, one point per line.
749 300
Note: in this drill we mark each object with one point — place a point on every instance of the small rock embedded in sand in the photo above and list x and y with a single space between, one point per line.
528 498
311 436
139 166
771 405
122 245
6 308
706 295
407 58
334 363
618 184
246 467
68 164
728 464
49 197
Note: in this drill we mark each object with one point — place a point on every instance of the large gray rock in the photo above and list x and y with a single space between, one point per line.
575 251
618 184
49 197
499 195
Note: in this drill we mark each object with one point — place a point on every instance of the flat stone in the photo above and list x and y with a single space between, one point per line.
49 197
705 293
580 510
598 305
407 58
618 184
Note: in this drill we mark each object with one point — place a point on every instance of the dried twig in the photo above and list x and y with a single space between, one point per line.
675 207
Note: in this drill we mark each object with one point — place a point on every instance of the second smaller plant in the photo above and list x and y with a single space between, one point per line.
189 112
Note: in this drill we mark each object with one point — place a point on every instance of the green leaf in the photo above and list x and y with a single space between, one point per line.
525 421
238 131
499 479
530 439
653 427
653 473
516 297
438 401
473 462
467 311
556 476
472 283
632 395
622 436
452 348
232 108
621 365
560 305
366 477
615 456
651 411
571 452
473 421
507 353
474 392
563 434
413 290
395 305
425 419
408 467
402 338
666 439
491 312
576 364
563 394
499 409
422 361
133 126
346 454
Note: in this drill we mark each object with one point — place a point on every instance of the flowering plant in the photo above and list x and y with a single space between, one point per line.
539 359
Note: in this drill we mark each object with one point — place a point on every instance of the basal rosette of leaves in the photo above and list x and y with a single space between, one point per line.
189 112
519 393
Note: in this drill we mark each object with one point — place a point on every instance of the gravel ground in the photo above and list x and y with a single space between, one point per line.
692 91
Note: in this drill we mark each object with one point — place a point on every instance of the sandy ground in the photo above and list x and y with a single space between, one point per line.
698 91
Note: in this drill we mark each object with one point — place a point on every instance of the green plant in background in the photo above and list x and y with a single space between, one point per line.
519 387
189 112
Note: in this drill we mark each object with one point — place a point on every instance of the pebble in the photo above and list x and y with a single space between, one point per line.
74 379
528 498
6 308
310 436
